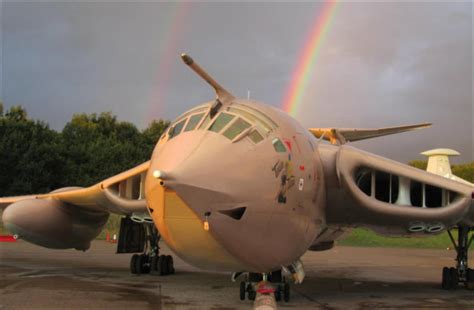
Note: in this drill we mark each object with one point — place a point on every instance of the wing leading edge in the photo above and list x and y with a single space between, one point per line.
343 135
122 193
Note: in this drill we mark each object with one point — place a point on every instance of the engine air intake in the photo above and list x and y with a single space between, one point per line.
394 189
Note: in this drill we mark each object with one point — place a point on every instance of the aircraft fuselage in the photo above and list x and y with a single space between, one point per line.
201 175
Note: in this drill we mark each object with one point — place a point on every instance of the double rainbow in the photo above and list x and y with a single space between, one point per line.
308 57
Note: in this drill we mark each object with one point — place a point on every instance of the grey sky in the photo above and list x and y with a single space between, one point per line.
382 63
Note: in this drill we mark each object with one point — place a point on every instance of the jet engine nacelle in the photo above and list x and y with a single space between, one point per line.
53 224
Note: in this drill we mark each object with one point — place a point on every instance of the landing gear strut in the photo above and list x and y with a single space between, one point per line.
282 287
143 237
462 273
151 260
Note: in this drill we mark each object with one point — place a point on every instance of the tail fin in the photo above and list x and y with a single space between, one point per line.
438 163
344 135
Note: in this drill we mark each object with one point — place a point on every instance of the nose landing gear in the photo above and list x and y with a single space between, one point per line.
281 288
451 277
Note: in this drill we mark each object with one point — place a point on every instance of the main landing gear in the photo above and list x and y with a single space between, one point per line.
462 273
151 261
143 237
282 287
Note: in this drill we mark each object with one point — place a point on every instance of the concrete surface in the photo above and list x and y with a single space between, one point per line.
342 278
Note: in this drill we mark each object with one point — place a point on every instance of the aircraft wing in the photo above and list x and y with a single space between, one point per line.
121 194
390 197
343 135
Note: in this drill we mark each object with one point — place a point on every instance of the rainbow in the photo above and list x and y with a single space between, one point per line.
308 57
172 33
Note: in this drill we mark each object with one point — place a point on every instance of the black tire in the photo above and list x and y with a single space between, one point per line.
470 275
286 292
162 266
154 263
145 263
446 279
453 273
170 264
252 294
133 259
166 265
278 293
470 279
139 264
243 288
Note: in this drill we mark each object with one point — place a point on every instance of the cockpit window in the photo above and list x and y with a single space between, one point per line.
193 122
220 122
176 129
236 128
206 121
255 136
255 117
278 145
199 109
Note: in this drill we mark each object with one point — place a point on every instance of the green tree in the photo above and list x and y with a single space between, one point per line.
1 109
153 132
464 171
17 113
30 160
99 146
420 164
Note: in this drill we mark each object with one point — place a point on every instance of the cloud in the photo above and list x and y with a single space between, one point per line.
381 64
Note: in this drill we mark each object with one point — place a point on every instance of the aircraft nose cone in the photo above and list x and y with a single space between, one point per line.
175 151
186 185
193 164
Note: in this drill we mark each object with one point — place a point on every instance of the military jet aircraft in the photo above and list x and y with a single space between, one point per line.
241 186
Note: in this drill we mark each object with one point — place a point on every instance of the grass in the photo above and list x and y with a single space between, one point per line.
366 238
112 226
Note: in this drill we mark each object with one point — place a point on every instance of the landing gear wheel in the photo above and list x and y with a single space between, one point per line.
146 263
453 273
462 273
278 294
243 287
133 260
154 263
139 264
159 266
446 279
165 265
286 292
169 258
252 294
470 279
162 265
